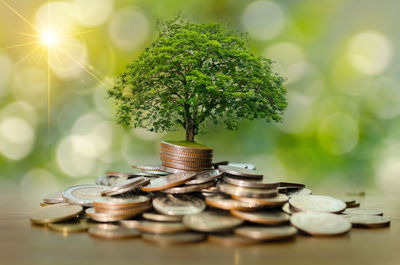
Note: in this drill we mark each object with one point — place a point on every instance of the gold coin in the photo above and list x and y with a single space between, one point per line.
320 223
169 181
55 213
273 217
125 211
111 216
211 221
266 233
53 198
178 238
110 231
186 163
183 167
317 203
229 239
70 227
161 227
185 158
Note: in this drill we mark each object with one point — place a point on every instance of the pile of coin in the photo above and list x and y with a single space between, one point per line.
180 157
230 205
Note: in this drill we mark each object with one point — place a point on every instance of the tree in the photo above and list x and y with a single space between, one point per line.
194 73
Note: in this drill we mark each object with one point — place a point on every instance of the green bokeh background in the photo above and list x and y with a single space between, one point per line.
340 58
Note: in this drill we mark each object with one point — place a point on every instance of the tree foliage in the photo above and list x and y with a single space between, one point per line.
193 73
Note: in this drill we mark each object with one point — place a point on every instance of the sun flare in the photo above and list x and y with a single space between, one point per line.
49 38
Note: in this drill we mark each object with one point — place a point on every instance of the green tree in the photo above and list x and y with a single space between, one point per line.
194 73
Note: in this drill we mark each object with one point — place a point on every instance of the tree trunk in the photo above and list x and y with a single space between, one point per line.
190 132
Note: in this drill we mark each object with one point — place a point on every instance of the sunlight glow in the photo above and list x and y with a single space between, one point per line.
49 38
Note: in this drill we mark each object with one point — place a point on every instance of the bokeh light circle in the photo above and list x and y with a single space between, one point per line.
369 52
92 13
30 85
5 71
56 17
128 29
338 133
263 20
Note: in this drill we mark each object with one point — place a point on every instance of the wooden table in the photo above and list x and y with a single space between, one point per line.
22 243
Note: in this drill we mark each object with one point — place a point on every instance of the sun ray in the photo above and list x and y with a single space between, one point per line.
41 54
48 92
26 56
19 15
27 34
19 45
82 32
83 67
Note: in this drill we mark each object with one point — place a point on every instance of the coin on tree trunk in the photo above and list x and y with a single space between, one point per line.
317 203
320 223
266 233
211 221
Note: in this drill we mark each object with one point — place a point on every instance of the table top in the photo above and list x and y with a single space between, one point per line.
23 243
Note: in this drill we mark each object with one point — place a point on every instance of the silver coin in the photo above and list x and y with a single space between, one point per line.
211 221
166 182
241 172
189 188
246 192
109 180
320 223
272 217
243 165
161 217
362 211
317 203
172 170
125 186
204 177
161 227
147 168
178 238
53 198
83 194
157 173
371 221
279 199
118 203
178 205
227 203
264 183
298 192
266 233
110 231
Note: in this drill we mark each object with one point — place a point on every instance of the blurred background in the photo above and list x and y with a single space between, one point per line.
339 56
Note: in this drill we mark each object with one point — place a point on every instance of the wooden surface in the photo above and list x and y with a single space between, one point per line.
22 243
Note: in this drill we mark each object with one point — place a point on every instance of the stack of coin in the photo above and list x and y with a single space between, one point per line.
111 209
177 157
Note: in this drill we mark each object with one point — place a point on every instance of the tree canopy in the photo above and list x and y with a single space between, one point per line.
197 73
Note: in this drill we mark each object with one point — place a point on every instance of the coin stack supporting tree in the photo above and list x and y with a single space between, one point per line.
229 206
185 156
